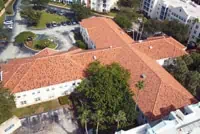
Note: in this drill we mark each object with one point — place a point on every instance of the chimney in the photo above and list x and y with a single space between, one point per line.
150 47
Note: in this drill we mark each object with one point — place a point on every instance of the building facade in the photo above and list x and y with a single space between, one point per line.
184 11
186 121
34 96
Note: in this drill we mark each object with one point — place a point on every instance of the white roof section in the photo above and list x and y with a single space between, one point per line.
190 7
178 122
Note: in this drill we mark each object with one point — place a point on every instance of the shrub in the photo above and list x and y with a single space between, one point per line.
64 100
23 36
81 44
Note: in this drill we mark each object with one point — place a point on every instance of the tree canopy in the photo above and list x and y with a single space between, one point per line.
186 69
81 12
123 21
129 3
39 4
6 104
106 89
173 28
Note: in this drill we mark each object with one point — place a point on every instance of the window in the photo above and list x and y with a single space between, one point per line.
24 95
33 93
193 36
37 99
38 92
180 10
195 31
74 84
197 27
18 96
47 90
52 88
23 102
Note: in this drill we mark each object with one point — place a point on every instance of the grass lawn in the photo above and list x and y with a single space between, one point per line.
2 20
9 9
37 108
41 44
47 17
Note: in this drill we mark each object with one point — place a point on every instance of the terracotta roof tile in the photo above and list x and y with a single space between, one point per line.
161 94
161 47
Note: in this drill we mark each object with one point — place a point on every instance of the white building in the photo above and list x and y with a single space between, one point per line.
185 11
103 5
9 126
186 121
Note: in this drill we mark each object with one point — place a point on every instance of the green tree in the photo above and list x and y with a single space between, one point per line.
23 36
6 104
180 70
173 28
129 3
40 4
1 4
84 118
196 61
98 118
81 12
192 81
120 117
32 16
139 85
187 59
123 21
106 89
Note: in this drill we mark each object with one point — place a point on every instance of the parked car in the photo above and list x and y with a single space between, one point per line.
54 24
58 24
63 23
49 25
68 22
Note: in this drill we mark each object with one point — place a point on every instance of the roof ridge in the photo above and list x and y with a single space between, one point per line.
163 37
24 74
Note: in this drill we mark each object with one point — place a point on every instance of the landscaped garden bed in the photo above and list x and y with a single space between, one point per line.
30 41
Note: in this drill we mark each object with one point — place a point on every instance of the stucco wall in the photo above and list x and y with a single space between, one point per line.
30 97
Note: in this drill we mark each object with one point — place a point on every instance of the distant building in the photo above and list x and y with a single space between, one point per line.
96 5
186 121
185 11
10 126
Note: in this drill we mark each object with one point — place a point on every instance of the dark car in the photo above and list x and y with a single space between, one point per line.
63 23
58 24
49 25
69 22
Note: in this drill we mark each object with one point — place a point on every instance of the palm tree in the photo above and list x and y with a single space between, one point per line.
84 118
120 117
139 85
98 117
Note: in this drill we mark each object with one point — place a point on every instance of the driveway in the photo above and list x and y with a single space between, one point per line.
61 34
53 122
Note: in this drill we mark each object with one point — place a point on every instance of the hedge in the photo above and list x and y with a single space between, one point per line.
64 100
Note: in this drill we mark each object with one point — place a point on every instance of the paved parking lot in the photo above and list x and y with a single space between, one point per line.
61 34
54 122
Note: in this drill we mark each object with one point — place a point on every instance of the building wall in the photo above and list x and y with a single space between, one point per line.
157 9
9 126
86 38
161 61
30 97
103 5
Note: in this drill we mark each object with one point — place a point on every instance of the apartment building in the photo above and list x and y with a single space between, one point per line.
184 11
185 121
50 74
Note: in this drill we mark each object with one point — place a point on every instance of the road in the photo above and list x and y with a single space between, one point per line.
61 34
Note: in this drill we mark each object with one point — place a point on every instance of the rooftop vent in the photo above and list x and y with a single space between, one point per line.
140 41
94 57
143 76
150 47
1 76
110 46
122 32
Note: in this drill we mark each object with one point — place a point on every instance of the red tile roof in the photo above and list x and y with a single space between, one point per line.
162 93
113 35
161 47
